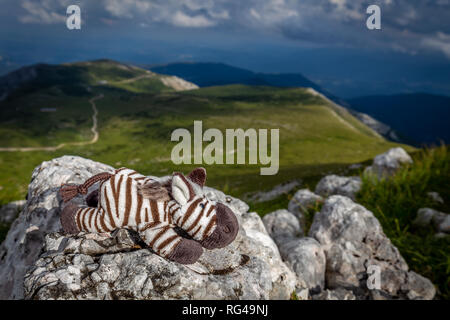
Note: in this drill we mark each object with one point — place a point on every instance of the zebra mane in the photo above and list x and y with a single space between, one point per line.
161 189
156 191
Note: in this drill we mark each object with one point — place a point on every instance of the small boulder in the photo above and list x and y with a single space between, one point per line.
386 164
282 225
427 216
436 197
302 201
337 185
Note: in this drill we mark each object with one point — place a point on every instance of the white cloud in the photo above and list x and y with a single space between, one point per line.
43 12
271 12
439 42
127 8
181 19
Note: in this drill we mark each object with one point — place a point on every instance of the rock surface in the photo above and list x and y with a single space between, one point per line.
97 266
337 294
10 211
353 242
337 185
386 164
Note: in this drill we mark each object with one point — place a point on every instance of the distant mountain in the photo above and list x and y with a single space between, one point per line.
216 74
418 118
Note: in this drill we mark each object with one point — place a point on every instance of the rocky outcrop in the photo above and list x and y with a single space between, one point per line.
97 266
376 125
337 185
10 211
177 83
386 164
357 250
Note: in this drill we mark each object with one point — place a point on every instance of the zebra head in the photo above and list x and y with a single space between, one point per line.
212 223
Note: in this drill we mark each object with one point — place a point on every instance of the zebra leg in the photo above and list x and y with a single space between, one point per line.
67 218
162 238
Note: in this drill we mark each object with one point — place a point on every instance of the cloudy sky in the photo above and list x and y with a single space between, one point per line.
326 40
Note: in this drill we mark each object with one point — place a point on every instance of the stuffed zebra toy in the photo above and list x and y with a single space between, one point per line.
153 208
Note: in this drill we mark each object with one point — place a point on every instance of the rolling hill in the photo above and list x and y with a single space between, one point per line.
138 110
206 74
420 118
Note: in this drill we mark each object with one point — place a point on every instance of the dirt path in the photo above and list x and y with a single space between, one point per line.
65 144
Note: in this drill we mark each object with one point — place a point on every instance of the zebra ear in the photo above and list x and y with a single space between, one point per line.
154 190
198 176
182 191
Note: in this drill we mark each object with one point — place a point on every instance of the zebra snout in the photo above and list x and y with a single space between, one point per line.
226 230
